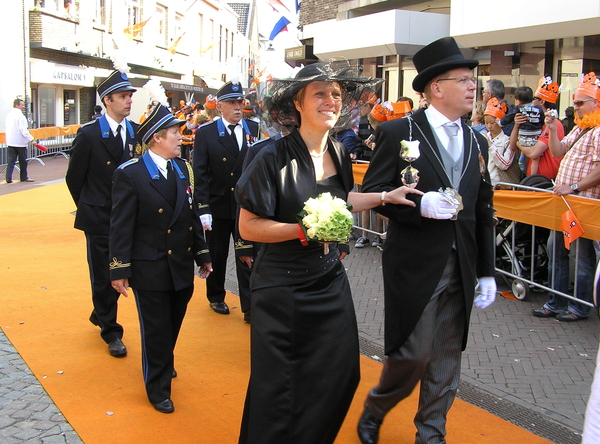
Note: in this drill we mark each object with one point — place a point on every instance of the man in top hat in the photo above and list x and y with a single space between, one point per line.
541 160
219 151
155 237
578 174
448 236
99 148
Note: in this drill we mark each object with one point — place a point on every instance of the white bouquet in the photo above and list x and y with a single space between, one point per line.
326 219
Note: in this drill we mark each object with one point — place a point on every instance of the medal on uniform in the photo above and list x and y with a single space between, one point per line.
409 151
189 193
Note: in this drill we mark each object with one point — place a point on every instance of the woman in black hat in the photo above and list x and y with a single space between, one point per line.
155 237
304 342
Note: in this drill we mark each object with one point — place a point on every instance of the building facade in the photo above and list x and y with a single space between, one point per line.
517 42
191 46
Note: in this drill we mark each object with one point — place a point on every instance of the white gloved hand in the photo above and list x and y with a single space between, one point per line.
206 220
435 206
485 292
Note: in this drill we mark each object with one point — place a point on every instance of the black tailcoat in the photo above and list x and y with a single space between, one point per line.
417 248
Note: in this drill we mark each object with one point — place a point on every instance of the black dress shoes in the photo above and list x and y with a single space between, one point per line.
368 427
117 349
220 307
247 317
174 373
165 406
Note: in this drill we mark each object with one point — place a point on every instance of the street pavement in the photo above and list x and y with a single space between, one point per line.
535 373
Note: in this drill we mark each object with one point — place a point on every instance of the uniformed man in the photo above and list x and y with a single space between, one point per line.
99 148
219 151
155 236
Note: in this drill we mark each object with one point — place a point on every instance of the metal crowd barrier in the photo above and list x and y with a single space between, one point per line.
56 140
527 216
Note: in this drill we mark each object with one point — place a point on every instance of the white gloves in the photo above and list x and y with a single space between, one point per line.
435 206
485 292
206 220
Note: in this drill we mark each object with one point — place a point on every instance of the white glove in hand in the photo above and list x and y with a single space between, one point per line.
435 206
485 292
206 220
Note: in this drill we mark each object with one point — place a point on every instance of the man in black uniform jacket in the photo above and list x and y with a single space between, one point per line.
219 151
99 148
155 236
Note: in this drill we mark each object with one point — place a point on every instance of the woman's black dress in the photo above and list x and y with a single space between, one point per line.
304 341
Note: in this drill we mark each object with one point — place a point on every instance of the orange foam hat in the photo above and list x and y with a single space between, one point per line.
495 108
589 86
211 102
547 90
378 113
398 110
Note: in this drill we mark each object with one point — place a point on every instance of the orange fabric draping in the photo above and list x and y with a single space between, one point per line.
545 209
359 170
46 133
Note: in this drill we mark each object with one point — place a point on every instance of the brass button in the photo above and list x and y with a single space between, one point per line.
191 228
108 163
191 207
231 174
224 159
169 252
169 231
232 189
160 210
189 248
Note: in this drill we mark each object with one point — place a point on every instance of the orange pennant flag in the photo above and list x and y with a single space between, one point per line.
132 31
173 47
208 48
572 229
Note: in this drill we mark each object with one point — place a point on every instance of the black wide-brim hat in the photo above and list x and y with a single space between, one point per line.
117 81
160 118
230 92
437 58
280 96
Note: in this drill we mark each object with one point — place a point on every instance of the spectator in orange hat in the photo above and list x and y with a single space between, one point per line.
503 163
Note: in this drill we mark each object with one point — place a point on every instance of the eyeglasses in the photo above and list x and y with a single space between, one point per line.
461 80
579 103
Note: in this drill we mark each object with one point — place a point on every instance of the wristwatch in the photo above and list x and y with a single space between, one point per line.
575 188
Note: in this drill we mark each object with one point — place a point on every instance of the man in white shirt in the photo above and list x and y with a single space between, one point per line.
17 138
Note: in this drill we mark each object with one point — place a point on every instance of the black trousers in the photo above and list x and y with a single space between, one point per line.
218 244
15 152
104 297
161 314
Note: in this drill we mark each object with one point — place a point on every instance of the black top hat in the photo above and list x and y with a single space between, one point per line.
160 118
116 82
437 58
230 92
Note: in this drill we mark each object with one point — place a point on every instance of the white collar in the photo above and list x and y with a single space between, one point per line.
436 119
160 162
114 124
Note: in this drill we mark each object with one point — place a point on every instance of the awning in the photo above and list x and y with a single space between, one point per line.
384 33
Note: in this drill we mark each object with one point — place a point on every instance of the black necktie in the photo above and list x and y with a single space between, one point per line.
171 179
232 129
119 137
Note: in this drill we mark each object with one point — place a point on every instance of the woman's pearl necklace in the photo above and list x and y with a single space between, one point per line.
316 156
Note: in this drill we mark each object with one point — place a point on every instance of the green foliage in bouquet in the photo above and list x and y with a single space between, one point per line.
326 219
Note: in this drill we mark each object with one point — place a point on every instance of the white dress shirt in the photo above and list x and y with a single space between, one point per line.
17 134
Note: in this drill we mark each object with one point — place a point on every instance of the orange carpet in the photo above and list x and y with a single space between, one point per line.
45 302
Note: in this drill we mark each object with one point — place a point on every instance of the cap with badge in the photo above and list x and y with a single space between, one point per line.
160 118
116 82
230 92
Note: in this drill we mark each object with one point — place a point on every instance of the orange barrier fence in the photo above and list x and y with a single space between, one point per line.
359 170
545 210
46 133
